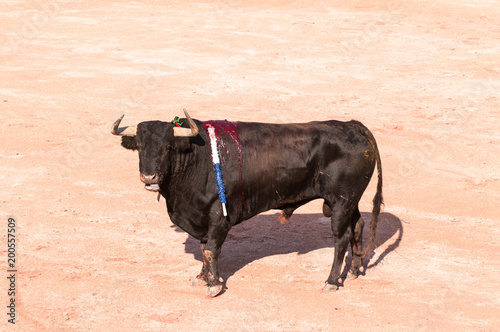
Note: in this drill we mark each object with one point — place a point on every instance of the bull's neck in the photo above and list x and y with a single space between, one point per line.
182 163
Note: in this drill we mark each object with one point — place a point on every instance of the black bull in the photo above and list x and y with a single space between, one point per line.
265 166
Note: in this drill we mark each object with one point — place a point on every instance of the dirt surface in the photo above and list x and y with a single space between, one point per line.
96 252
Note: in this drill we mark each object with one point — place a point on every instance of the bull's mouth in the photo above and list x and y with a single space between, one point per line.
152 187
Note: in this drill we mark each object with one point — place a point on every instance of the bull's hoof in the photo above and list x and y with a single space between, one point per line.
354 273
199 282
215 290
330 288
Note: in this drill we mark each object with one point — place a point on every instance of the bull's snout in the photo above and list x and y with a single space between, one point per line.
151 181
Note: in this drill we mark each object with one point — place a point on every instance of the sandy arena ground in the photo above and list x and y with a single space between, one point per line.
96 252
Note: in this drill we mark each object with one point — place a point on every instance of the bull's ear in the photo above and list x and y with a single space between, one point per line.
129 142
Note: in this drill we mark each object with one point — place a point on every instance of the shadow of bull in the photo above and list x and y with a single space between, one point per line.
264 236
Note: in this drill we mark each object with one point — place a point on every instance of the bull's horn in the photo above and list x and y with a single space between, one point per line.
185 132
123 131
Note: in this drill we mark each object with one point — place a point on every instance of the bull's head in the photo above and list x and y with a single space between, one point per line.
154 140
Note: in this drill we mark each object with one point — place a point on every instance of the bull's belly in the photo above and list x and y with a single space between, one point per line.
287 193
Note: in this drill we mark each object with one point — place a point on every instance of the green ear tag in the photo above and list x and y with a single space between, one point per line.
177 121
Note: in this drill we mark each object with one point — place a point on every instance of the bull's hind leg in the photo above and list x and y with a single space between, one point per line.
356 244
341 216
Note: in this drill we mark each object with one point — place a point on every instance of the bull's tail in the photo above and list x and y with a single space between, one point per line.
378 200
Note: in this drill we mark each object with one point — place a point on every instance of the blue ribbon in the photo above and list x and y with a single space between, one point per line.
220 184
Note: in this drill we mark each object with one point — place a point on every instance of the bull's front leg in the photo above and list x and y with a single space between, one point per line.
209 274
211 249
213 280
202 278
